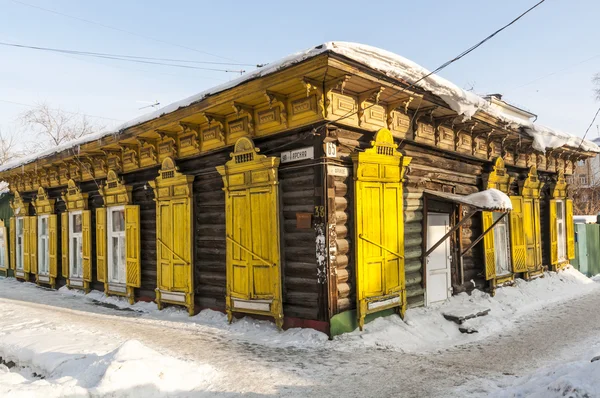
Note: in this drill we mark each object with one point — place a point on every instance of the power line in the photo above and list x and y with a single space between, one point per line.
556 72
448 63
78 52
62 110
588 129
115 57
120 30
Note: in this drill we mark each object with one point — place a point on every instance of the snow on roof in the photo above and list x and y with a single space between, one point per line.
463 102
489 200
4 188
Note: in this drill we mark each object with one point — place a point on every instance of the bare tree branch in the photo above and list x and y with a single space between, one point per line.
8 150
54 127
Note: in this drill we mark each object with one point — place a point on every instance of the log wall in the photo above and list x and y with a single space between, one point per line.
299 190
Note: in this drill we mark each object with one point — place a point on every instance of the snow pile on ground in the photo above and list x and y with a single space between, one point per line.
130 369
248 329
116 301
426 329
489 199
463 102
262 332
579 379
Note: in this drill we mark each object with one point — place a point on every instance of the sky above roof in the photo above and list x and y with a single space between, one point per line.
544 63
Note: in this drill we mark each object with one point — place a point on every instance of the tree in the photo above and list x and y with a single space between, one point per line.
596 81
53 127
8 150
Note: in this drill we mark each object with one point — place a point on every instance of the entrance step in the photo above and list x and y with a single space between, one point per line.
467 330
459 313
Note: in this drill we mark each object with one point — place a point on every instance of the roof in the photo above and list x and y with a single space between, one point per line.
463 102
488 200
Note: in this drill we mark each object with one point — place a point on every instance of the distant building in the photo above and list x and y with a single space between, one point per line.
585 183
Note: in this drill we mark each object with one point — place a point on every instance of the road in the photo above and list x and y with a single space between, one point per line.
541 339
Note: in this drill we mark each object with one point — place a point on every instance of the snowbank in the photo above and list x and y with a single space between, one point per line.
248 329
130 369
572 379
262 332
463 102
116 301
426 329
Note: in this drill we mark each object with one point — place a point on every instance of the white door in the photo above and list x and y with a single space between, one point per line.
116 244
438 262
501 245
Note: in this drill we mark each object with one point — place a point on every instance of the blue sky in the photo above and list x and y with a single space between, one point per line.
556 35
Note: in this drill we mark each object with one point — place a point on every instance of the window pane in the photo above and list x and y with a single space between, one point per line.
74 254
559 210
115 257
122 247
19 226
44 228
118 220
76 223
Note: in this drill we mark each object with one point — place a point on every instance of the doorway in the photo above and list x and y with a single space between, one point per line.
439 285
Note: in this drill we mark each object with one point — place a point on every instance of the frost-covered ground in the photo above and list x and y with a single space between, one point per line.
538 338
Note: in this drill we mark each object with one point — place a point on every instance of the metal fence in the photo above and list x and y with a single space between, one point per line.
587 249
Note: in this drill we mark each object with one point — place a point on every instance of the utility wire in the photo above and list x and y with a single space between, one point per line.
555 72
62 110
448 63
588 129
121 30
78 52
141 60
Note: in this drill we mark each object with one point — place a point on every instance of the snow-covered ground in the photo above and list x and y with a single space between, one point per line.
67 344
426 329
579 378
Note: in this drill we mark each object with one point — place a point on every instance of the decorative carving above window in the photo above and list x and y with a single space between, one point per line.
42 203
532 185
74 199
499 178
19 206
115 192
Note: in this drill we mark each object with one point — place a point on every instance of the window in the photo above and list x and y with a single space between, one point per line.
75 245
20 243
2 248
116 244
501 239
560 229
583 180
43 246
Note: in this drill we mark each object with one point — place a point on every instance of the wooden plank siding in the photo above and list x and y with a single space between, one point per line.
299 193
143 195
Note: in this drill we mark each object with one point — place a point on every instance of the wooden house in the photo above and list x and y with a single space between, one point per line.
318 191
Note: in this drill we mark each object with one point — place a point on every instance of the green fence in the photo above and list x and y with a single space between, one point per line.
5 214
587 249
